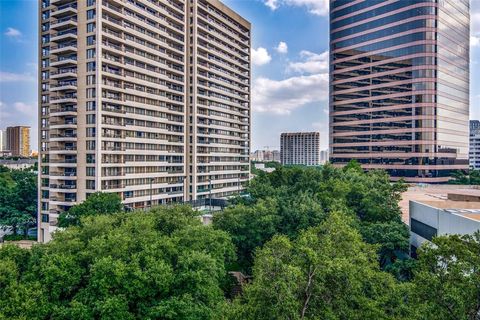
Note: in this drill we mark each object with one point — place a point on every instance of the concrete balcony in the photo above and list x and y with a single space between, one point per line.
70 61
63 111
64 99
63 35
63 125
64 10
65 188
64 48
63 23
64 87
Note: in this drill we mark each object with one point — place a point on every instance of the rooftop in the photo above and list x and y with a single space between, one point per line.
458 199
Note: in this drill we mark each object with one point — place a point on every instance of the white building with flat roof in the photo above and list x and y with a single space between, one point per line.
458 213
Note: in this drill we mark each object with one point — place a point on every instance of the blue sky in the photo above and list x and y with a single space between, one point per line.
289 55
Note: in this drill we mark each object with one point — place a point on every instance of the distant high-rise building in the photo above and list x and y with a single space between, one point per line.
18 141
300 148
399 86
266 155
146 99
2 138
474 149
324 156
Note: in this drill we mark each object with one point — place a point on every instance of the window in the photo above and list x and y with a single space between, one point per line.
91 14
422 229
91 79
90 3
90 145
90 119
91 106
45 217
90 53
91 66
90 133
90 158
91 93
90 40
91 27
90 184
91 171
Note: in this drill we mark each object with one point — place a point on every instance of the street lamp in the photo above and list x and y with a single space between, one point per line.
238 185
151 181
210 191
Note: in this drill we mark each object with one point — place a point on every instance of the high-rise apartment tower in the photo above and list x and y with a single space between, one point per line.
300 148
149 99
399 86
18 141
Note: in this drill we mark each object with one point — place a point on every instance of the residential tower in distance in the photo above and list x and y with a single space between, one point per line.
399 86
149 99
18 141
300 148
474 148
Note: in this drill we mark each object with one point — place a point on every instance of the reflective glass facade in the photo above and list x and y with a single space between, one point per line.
399 86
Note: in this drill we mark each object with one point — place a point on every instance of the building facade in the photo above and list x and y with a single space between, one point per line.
300 148
218 128
399 86
3 140
456 214
18 141
474 148
118 107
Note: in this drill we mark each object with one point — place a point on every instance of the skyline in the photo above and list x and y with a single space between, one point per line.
290 70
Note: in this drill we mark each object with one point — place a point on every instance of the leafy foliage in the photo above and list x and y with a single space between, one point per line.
447 278
18 199
292 199
328 272
96 204
472 177
122 266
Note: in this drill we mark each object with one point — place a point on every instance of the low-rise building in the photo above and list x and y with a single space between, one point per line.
457 213
18 164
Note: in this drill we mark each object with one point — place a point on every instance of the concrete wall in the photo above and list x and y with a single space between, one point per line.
445 222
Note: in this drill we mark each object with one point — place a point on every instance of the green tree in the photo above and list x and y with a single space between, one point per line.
96 204
447 279
249 226
328 272
18 199
304 197
121 266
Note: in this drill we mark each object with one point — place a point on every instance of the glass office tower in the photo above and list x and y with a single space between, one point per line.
399 86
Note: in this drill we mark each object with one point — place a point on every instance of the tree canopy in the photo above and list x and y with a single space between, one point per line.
18 199
96 204
292 199
319 243
124 266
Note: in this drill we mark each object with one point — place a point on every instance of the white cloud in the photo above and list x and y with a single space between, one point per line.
282 47
15 77
283 96
13 33
317 7
24 108
260 56
475 41
311 63
272 4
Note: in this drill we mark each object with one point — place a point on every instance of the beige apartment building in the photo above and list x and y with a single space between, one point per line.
300 148
148 99
18 141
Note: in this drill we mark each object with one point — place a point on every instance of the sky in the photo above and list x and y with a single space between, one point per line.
289 66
